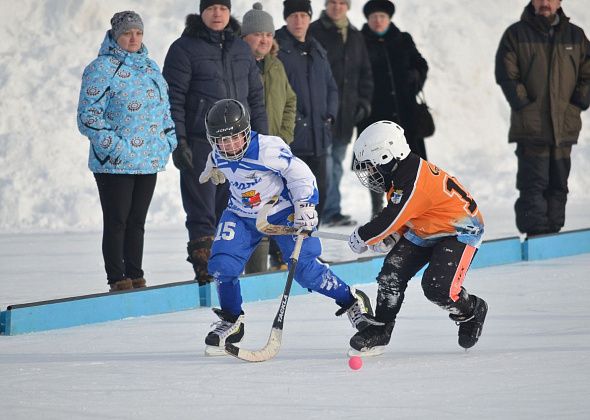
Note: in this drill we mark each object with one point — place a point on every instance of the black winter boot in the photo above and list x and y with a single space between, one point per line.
199 251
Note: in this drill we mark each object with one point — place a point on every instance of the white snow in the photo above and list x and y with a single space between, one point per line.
533 360
44 181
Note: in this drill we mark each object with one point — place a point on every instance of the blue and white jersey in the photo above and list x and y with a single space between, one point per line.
268 168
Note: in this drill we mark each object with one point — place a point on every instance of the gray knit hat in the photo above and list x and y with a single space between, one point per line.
123 21
257 20
347 2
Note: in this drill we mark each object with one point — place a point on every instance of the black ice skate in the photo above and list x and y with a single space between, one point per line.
371 341
470 327
360 312
229 329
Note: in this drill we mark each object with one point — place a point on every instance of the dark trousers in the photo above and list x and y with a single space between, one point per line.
203 203
125 200
541 179
321 168
442 282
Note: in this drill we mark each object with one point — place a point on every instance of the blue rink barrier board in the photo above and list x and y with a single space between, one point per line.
173 297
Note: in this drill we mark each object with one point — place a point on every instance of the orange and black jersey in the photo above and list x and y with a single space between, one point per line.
425 204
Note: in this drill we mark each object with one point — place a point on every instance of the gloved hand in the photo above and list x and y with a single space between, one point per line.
182 157
211 172
306 217
386 244
356 243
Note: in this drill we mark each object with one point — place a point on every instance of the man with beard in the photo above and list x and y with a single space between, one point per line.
543 68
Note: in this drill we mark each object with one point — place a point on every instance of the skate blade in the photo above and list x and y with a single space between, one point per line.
214 351
374 351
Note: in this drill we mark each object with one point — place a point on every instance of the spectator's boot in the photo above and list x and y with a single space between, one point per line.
138 283
198 255
124 284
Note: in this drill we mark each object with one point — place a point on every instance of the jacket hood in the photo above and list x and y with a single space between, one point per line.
109 47
196 28
540 22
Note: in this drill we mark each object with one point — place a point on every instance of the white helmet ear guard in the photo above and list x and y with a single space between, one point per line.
379 144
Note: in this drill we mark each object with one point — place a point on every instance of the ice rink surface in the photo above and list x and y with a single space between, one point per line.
533 360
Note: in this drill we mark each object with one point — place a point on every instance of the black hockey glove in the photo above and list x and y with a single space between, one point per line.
183 155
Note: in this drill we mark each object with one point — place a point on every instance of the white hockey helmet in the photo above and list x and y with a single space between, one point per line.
377 151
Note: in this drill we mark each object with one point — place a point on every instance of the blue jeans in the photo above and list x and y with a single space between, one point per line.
332 204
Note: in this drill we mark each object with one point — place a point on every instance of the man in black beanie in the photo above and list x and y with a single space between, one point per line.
207 63
309 73
208 3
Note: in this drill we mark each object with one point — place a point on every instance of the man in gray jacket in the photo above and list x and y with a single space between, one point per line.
543 68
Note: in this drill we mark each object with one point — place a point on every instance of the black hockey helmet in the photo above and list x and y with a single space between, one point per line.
225 122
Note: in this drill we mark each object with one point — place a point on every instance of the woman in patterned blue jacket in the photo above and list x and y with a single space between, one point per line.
125 113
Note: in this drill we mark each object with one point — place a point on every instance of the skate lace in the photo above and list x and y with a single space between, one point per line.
355 314
222 327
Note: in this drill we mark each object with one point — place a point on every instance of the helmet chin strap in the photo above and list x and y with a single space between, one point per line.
388 168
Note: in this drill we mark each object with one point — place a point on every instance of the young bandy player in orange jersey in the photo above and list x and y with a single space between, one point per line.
430 219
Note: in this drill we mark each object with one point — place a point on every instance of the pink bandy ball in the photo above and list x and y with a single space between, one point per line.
355 362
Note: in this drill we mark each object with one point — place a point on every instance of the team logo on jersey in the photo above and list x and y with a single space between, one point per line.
434 169
251 199
396 197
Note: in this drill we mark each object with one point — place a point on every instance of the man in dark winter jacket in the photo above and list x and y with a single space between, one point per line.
207 63
543 68
399 73
309 73
351 69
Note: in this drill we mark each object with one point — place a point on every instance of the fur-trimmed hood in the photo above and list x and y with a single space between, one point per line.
195 27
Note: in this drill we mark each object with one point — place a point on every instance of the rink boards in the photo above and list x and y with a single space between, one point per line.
102 307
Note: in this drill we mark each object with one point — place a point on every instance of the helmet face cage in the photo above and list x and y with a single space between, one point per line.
231 147
369 175
228 128
377 152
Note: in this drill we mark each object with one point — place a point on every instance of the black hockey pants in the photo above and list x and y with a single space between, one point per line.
448 262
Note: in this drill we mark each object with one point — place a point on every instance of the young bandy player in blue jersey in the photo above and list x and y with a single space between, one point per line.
259 167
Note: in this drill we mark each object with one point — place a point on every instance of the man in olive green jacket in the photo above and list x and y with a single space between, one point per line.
543 68
280 102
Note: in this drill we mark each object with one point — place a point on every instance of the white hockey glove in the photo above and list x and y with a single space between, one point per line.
306 217
211 173
386 244
356 243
